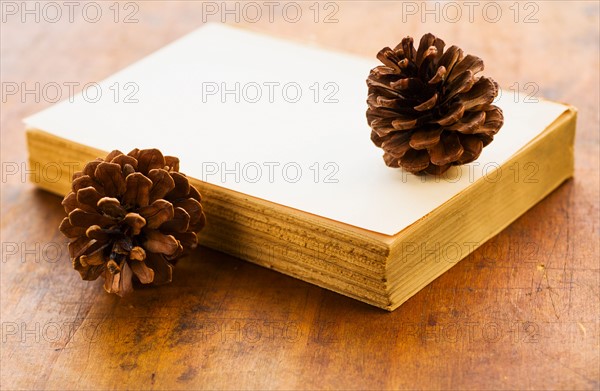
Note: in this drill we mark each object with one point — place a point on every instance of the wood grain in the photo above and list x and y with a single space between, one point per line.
520 312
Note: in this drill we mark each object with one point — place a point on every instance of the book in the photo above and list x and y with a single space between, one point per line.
274 135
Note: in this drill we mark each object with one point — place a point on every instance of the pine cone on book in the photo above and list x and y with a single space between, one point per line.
131 215
427 109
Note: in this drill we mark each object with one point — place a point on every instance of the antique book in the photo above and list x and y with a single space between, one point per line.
274 135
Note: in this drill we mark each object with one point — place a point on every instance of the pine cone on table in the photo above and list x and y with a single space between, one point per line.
131 215
427 109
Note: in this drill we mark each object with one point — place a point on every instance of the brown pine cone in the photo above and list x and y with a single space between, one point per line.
131 215
427 109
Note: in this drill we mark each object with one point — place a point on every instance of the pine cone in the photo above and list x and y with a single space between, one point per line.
427 110
131 215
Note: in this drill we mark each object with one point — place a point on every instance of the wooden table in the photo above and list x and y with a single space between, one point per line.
522 312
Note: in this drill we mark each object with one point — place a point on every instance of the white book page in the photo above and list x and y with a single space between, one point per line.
298 143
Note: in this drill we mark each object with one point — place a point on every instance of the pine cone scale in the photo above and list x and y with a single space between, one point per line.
135 221
161 244
450 58
424 139
470 63
86 181
404 123
440 73
138 190
163 272
428 104
446 151
88 196
470 124
472 149
143 272
414 160
425 44
111 207
157 213
180 221
110 177
69 230
162 182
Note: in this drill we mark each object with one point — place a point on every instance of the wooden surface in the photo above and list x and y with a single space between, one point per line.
522 312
